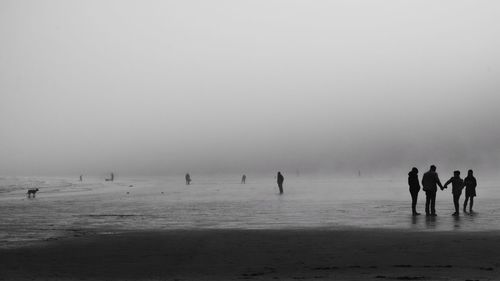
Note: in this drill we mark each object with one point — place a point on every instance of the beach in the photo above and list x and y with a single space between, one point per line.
249 140
292 254
65 207
219 229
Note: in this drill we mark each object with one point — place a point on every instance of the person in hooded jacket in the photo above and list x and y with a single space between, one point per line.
470 190
414 185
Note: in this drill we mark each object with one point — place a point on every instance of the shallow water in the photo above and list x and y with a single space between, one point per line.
65 207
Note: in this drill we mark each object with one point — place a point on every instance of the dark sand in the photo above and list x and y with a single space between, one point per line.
260 255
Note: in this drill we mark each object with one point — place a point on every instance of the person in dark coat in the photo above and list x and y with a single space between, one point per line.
280 180
470 190
414 185
188 179
430 182
243 179
457 185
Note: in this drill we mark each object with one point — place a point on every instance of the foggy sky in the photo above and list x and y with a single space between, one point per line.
162 87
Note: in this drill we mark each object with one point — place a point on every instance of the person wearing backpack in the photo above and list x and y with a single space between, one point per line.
430 182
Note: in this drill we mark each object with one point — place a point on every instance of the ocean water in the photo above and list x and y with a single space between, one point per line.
66 207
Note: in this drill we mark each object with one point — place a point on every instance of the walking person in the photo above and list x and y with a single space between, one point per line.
457 185
430 182
470 190
280 180
188 179
243 179
414 185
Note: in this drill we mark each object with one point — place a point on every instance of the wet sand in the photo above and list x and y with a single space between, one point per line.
310 254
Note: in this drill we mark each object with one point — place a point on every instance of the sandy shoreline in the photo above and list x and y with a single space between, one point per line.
260 255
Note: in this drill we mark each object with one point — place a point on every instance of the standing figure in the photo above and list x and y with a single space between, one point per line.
280 179
470 190
430 181
457 185
112 177
81 177
243 179
188 179
414 185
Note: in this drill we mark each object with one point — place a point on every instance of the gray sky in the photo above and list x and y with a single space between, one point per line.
159 87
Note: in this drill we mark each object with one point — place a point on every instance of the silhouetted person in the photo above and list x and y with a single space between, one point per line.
188 179
457 185
470 190
280 180
81 178
112 177
243 179
430 182
414 185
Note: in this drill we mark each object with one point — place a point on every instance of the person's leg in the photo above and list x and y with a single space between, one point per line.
465 203
471 203
433 203
280 185
456 197
427 202
414 196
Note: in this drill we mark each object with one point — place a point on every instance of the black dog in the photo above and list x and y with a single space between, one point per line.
32 191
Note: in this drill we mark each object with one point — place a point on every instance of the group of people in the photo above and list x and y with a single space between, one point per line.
279 177
430 183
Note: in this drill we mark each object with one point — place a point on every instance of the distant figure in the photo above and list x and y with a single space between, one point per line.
112 177
470 190
243 179
280 179
32 191
81 178
188 179
414 185
430 181
457 185
359 175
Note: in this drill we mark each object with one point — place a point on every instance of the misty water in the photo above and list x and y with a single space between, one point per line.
65 207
